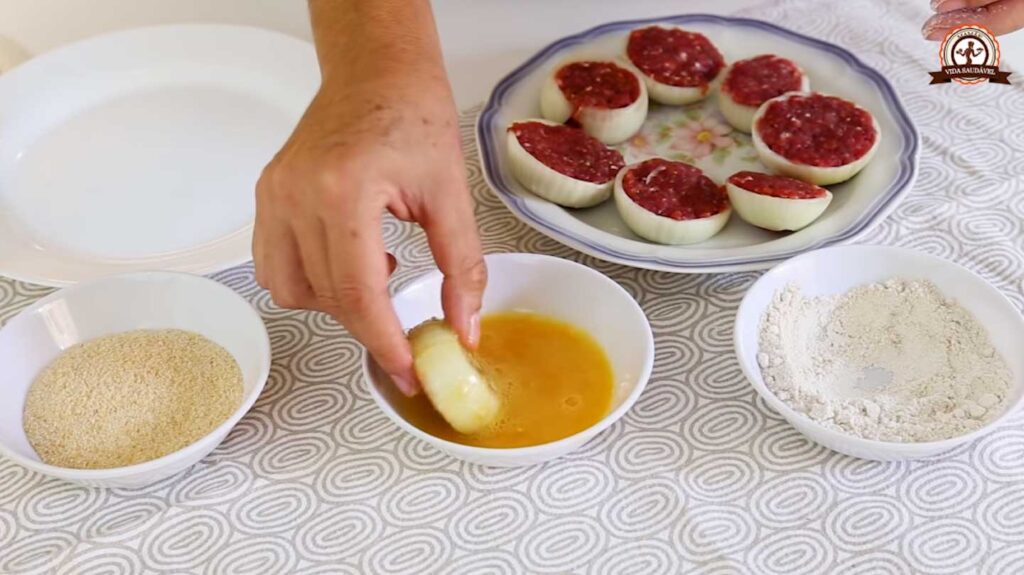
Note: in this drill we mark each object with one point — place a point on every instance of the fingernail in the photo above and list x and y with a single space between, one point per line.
948 5
945 20
474 330
407 387
934 30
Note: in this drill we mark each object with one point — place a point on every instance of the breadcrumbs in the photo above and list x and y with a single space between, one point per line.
129 398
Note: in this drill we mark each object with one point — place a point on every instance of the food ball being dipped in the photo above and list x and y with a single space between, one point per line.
450 379
820 139
670 202
678 66
551 378
749 83
776 203
562 164
608 101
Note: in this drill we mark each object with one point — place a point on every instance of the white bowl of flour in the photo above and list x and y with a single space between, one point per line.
882 353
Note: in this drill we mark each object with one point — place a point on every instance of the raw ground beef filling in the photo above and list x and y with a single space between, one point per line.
776 186
817 130
597 85
569 151
674 190
754 81
674 57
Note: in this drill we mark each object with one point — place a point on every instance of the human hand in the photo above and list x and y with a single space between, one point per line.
1000 16
388 144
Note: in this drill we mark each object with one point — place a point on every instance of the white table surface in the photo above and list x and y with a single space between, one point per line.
483 39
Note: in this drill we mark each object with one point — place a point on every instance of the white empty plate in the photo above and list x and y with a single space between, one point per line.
141 149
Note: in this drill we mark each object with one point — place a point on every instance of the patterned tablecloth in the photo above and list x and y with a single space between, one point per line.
699 476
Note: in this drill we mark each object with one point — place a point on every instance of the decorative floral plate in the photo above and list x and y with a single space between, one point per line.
699 134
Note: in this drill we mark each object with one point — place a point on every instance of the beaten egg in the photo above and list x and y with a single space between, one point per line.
553 378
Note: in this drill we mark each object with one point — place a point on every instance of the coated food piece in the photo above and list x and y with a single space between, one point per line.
456 388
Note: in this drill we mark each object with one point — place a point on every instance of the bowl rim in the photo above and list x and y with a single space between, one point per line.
604 423
743 355
71 473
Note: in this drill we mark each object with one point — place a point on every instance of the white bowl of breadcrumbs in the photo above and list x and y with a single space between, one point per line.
127 380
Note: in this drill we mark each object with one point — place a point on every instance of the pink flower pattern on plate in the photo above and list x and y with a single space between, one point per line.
700 137
644 143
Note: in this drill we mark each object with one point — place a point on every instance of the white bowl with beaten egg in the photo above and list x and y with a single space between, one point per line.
117 304
554 288
837 270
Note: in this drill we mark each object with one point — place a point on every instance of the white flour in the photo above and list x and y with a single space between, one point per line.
894 361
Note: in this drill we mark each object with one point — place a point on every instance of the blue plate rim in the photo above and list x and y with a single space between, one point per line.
874 214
